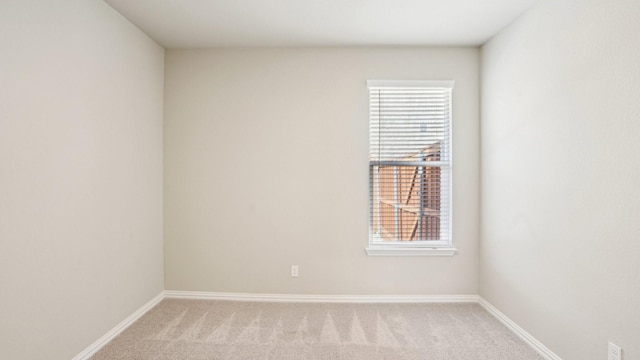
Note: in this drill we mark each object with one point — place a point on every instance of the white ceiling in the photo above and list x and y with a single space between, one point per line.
216 23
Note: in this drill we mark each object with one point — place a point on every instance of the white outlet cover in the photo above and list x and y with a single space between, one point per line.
615 352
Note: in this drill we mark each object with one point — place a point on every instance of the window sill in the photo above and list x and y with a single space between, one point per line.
415 251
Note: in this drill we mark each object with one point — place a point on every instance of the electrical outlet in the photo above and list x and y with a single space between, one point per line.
615 352
294 271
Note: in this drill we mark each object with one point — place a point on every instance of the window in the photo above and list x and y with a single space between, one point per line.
410 167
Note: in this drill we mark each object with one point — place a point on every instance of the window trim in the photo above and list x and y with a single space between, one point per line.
381 250
417 248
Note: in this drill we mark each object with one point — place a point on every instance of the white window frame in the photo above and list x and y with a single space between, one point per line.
416 248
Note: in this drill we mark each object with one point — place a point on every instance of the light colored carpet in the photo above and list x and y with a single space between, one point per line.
203 329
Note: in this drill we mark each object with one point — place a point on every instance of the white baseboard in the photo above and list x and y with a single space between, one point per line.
544 351
98 344
173 294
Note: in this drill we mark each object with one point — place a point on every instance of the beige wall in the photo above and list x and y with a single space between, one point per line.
81 93
560 172
266 166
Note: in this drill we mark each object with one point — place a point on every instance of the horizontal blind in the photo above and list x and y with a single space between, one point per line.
410 162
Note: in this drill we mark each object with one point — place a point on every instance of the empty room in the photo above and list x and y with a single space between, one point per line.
320 179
